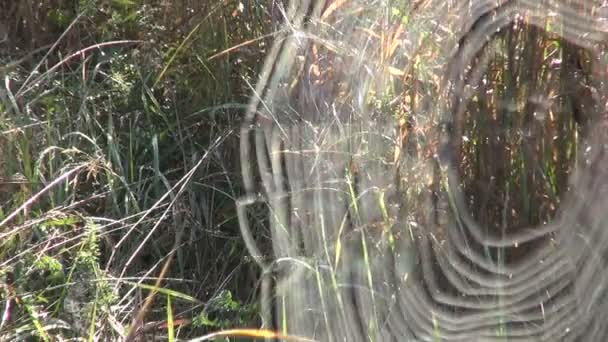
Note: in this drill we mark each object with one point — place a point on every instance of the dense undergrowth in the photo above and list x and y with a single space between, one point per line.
118 124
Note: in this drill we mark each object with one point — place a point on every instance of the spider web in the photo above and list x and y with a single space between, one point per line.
372 237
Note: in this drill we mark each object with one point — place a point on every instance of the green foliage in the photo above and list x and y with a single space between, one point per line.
223 312
147 120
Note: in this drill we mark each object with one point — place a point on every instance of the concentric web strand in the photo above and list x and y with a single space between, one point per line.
431 171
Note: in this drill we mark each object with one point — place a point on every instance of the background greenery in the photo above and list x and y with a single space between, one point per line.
136 104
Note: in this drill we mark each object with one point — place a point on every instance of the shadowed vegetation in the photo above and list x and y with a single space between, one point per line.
118 154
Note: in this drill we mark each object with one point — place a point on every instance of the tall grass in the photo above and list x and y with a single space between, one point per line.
118 172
